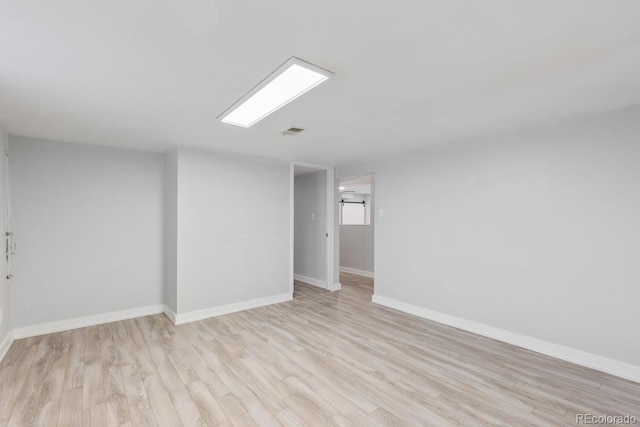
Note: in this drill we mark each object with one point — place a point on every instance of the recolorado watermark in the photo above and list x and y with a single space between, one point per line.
606 419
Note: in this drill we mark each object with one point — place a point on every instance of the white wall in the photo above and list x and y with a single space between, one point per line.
356 247
5 302
310 251
535 232
88 225
357 241
171 230
233 229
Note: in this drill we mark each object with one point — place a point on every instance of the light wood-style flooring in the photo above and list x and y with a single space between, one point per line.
325 358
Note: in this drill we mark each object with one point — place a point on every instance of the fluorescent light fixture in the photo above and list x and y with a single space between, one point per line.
289 81
341 188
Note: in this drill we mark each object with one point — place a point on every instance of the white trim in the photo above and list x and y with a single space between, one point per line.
291 224
6 343
230 308
356 271
170 314
330 229
335 287
311 281
579 357
81 322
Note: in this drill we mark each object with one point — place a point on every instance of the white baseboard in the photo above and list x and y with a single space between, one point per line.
230 308
5 344
310 280
319 283
579 357
356 271
81 322
170 314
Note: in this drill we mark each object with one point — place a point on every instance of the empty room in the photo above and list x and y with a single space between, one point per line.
342 213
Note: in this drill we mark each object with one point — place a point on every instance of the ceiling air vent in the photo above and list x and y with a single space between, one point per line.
292 131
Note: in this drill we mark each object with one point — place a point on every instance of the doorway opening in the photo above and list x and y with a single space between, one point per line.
356 219
312 227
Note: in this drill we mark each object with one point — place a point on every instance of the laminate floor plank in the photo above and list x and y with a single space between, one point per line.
13 378
140 411
71 410
161 404
211 412
53 382
324 358
26 406
235 411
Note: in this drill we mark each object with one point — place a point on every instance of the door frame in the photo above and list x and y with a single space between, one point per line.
330 223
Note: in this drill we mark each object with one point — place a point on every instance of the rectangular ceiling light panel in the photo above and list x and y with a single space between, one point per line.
288 82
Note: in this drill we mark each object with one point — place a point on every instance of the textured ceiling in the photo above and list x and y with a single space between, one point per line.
155 74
